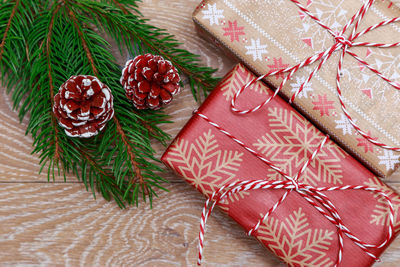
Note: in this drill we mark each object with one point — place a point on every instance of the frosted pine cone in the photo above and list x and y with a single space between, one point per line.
150 81
83 105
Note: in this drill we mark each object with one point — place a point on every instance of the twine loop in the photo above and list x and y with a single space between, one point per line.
340 39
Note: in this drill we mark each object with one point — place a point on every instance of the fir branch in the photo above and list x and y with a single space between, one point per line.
15 17
3 40
84 44
119 21
146 125
120 130
103 178
120 6
51 86
131 155
121 171
151 130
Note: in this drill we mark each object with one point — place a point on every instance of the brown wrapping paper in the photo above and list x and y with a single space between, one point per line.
272 34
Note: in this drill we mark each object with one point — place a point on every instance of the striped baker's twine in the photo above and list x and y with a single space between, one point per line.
341 43
313 195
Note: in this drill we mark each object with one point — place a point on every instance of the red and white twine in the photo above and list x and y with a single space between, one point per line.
313 195
341 43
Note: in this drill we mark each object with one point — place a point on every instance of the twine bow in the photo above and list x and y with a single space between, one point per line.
313 195
341 43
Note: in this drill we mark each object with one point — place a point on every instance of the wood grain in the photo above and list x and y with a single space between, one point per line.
60 224
45 224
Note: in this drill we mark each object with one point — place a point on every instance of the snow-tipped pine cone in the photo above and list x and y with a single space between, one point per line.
150 81
83 105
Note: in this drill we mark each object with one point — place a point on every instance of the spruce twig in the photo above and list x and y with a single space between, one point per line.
119 21
161 50
120 131
51 86
132 156
3 40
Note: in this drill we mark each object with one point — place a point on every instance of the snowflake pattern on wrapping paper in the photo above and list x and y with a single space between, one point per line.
234 31
372 88
201 5
331 13
389 159
278 64
236 80
368 146
386 63
380 214
306 89
213 14
344 124
295 242
256 49
204 164
323 105
290 143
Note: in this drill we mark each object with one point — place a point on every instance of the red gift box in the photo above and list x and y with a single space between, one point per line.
296 231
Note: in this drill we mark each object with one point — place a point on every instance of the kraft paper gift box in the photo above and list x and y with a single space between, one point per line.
268 35
296 232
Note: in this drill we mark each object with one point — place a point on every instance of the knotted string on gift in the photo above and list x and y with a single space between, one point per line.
313 195
341 43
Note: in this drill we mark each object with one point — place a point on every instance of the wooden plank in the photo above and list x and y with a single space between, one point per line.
61 224
58 223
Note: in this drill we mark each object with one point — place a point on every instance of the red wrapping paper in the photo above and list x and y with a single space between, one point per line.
296 232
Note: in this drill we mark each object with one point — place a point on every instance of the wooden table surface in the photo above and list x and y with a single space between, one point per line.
58 223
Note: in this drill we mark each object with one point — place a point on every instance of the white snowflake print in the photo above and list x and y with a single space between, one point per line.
213 14
396 75
389 159
331 12
345 125
306 89
256 49
387 63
